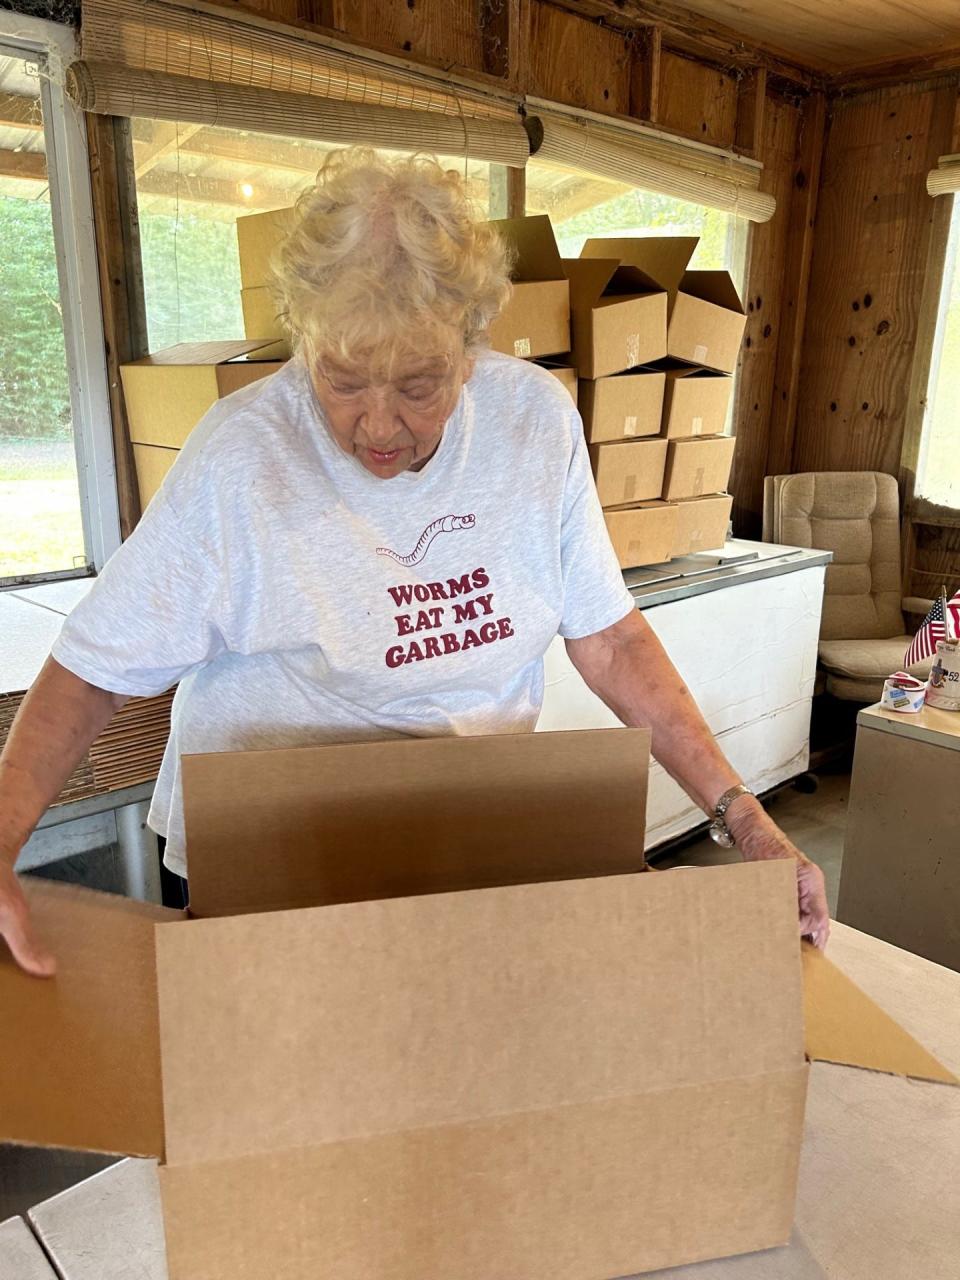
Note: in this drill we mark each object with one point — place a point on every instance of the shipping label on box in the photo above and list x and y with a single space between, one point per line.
695 402
622 406
387 975
166 394
698 466
644 534
536 320
619 316
628 472
706 318
702 524
258 237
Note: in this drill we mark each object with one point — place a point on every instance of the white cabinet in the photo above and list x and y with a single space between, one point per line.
748 652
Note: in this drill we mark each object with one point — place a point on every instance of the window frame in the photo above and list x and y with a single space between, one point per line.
51 45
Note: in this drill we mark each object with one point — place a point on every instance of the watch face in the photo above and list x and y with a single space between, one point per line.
720 835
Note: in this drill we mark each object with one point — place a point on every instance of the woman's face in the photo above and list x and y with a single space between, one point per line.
390 426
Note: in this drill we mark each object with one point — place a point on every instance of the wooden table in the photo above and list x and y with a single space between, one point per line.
879 1198
900 879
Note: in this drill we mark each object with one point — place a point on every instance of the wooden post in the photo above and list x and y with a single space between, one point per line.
751 99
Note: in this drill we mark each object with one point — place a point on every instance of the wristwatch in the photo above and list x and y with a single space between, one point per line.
719 831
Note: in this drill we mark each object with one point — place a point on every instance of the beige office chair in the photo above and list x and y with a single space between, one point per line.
856 515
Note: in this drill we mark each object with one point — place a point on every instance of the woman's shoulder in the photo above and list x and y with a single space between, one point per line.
521 385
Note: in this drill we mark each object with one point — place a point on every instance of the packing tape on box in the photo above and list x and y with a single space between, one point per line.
697 429
700 354
633 350
902 692
630 425
522 348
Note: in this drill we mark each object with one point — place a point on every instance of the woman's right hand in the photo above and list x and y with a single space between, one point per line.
17 929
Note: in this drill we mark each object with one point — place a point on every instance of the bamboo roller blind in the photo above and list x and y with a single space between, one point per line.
945 179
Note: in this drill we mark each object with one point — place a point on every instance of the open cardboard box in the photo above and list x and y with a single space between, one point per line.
619 315
536 319
516 1072
705 317
258 236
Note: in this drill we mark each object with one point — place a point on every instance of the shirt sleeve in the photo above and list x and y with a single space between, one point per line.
152 615
594 593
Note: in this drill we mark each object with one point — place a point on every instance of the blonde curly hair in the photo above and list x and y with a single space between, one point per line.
386 256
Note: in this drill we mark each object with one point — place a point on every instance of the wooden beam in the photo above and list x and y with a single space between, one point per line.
110 148
801 216
273 153
893 71
161 182
508 191
751 101
166 138
19 112
645 76
31 165
690 33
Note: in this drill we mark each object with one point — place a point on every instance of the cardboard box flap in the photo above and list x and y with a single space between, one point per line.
299 1028
340 821
203 352
536 256
588 279
843 1025
82 1067
663 259
713 286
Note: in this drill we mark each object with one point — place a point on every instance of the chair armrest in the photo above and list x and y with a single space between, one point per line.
916 605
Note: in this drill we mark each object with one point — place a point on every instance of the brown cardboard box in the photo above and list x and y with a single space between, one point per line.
698 466
564 374
344 1081
706 317
167 394
258 235
152 462
260 321
621 406
702 523
619 316
695 402
628 472
536 320
644 534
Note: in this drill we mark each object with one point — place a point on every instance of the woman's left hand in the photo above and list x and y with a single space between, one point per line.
758 837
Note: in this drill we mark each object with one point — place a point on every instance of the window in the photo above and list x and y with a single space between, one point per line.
193 182
938 467
581 206
57 492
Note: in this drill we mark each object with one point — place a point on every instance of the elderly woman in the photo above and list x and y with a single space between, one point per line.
381 539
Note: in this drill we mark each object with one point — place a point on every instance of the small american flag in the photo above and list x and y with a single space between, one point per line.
934 628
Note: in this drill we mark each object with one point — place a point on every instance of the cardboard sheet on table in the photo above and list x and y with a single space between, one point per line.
270 830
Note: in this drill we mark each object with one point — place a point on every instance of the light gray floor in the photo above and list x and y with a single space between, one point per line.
815 823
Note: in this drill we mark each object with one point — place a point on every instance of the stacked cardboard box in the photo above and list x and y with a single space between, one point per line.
167 394
656 345
258 236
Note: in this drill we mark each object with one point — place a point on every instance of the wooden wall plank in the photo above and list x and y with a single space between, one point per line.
758 360
577 62
696 100
448 30
870 255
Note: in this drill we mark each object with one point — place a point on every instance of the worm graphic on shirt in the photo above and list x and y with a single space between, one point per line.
446 524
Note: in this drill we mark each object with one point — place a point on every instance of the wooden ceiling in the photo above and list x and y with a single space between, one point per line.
842 35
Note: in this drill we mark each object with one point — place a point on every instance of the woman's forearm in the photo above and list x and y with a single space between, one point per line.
628 668
57 721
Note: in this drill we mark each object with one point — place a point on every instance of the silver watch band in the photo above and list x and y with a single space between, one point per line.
719 831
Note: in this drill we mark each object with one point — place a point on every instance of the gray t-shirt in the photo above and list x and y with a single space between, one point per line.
299 599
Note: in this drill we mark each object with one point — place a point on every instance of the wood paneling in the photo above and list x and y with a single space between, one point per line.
574 61
869 263
697 101
448 30
756 382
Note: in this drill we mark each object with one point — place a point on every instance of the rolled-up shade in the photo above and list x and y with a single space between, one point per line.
945 179
711 178
175 60
120 91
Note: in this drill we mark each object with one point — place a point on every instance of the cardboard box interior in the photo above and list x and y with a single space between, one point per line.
619 316
702 523
492 1058
622 406
644 534
699 466
706 318
536 319
695 402
631 471
258 235
167 394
